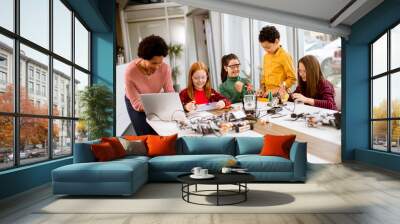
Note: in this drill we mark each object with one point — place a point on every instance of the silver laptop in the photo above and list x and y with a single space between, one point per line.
163 106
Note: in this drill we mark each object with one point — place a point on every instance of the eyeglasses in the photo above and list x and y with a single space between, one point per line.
233 66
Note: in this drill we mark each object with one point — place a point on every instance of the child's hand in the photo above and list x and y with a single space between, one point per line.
300 97
220 104
275 91
260 93
282 92
190 106
239 86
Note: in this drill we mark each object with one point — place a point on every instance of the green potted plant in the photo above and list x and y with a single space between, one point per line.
96 102
175 52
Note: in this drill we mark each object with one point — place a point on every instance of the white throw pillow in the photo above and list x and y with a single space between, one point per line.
135 147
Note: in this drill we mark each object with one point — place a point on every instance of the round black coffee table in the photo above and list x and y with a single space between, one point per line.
238 179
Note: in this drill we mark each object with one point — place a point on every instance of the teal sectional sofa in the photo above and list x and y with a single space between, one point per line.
125 176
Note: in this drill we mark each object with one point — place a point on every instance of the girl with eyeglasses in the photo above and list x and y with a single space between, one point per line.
233 86
199 89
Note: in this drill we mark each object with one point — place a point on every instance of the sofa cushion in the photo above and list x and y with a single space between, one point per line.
134 147
185 163
249 145
93 172
206 145
257 163
116 145
103 152
277 145
112 171
161 145
134 137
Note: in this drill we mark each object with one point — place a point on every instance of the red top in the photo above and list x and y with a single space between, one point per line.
201 97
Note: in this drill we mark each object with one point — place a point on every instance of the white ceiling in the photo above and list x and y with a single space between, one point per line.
307 14
321 9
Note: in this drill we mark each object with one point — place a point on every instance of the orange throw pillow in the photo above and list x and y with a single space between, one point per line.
161 145
103 152
116 145
277 145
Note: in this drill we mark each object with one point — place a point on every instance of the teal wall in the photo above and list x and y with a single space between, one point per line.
103 52
24 178
380 159
356 134
99 16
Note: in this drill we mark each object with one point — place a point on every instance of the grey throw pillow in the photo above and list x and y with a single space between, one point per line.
136 147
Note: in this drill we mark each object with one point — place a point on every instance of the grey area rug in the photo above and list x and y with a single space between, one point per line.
166 198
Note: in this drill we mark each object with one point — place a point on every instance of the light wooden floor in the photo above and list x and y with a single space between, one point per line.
379 189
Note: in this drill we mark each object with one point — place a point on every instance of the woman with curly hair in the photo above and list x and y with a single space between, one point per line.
146 74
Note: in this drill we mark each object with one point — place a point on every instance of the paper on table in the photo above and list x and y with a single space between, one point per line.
199 114
205 107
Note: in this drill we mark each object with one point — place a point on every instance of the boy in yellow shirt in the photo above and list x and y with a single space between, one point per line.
278 71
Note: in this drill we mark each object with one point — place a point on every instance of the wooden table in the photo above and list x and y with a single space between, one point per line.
323 142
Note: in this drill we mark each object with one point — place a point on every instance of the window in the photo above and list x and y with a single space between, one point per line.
54 126
30 72
81 45
62 140
35 22
6 143
81 81
44 91
327 49
297 42
7 14
30 87
38 89
33 149
385 97
3 78
55 102
7 85
395 47
40 62
286 40
62 74
3 71
37 75
237 43
3 61
247 47
62 29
